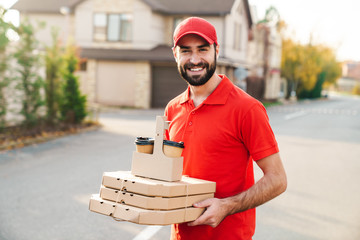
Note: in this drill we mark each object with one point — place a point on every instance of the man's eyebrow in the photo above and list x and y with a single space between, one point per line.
201 46
184 47
204 45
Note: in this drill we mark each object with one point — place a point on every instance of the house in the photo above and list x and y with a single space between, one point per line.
350 77
126 44
351 69
264 57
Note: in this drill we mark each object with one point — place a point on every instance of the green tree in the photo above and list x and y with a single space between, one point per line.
307 67
356 89
54 65
291 60
73 106
325 70
310 67
29 82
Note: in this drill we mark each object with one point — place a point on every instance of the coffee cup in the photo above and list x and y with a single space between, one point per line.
144 145
173 149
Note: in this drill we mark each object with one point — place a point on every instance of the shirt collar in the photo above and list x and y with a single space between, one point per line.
218 96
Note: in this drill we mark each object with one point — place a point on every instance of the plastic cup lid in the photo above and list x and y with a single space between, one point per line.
174 144
144 141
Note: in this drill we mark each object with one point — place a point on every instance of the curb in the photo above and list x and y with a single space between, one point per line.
41 139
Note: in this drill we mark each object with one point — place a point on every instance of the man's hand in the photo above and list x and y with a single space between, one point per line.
272 184
216 211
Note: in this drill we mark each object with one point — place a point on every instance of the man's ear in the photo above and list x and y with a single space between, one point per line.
217 50
175 53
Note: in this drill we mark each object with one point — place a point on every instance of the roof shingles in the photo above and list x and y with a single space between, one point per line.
199 7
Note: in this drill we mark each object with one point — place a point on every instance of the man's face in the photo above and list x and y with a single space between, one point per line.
196 59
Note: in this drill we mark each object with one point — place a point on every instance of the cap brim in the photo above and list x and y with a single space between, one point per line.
209 40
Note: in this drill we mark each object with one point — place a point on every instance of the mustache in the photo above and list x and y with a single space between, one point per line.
191 65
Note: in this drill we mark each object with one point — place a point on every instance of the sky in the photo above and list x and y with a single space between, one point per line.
330 22
333 23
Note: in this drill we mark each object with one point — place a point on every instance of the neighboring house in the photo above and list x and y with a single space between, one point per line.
126 44
350 76
273 64
351 69
264 57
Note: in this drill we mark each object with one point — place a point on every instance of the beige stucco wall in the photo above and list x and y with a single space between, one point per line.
83 23
149 27
63 23
142 85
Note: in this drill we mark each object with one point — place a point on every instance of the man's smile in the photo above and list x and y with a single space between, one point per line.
196 70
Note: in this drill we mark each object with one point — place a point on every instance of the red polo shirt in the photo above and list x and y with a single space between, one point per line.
222 136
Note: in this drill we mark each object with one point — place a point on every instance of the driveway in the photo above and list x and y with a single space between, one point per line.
45 188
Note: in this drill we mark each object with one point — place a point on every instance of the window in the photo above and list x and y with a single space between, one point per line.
237 36
82 65
100 27
177 20
112 27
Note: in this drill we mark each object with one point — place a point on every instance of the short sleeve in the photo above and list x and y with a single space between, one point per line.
257 133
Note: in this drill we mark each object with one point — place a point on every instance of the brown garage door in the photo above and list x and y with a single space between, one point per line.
166 84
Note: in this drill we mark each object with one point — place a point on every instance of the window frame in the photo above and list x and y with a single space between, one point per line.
122 37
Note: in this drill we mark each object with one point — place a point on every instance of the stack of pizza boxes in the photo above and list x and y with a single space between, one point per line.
154 192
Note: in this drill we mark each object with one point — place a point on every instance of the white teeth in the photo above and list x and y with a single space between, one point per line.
195 69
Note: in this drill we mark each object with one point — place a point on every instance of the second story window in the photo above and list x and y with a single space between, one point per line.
112 27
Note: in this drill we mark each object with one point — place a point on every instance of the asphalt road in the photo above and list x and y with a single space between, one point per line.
45 188
320 146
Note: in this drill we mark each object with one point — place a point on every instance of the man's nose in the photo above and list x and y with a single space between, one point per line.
195 59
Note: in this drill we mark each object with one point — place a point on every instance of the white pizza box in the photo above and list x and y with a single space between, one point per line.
125 181
143 216
150 202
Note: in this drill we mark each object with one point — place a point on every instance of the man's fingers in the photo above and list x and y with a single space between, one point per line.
203 204
207 216
200 220
213 215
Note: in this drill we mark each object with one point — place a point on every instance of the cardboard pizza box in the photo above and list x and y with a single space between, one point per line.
124 180
143 216
150 202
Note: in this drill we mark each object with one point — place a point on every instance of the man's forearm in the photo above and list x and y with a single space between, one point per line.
267 188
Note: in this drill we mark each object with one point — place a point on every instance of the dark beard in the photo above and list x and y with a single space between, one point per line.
197 80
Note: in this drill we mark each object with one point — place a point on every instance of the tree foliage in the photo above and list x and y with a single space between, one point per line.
73 106
307 67
356 89
54 65
29 82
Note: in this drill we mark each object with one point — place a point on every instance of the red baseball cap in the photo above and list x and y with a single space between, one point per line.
198 26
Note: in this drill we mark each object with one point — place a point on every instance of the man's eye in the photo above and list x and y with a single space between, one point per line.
203 49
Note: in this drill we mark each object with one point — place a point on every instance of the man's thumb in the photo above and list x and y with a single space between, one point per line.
203 204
